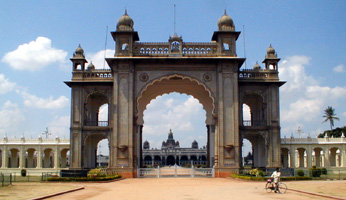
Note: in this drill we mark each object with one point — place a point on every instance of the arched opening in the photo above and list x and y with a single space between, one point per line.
335 157
13 158
177 88
102 153
96 110
285 158
31 158
184 117
247 153
253 110
90 149
170 160
48 158
64 158
148 161
318 158
301 157
258 149
184 160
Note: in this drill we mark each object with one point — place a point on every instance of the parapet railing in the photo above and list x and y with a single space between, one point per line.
98 74
164 49
253 123
96 123
258 74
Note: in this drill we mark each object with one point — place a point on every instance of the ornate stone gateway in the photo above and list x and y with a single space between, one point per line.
210 72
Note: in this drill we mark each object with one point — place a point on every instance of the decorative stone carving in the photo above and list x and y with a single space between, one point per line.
143 77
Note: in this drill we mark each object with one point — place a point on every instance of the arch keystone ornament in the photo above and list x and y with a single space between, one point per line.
209 71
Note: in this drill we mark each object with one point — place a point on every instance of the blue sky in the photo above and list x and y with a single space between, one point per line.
37 38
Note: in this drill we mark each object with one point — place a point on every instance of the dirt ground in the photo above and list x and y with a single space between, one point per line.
173 188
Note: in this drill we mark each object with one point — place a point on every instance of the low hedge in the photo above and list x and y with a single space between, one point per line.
78 179
264 178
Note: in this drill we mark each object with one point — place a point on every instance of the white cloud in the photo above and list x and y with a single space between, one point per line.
98 59
303 98
50 103
60 126
340 68
35 55
5 84
11 117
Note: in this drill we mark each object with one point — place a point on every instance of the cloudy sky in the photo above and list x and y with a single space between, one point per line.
38 38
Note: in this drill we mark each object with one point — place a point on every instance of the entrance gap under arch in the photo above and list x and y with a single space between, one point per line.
179 119
102 153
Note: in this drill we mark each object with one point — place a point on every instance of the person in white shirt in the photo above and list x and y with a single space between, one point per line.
276 175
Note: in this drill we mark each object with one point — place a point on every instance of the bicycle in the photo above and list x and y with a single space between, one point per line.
270 186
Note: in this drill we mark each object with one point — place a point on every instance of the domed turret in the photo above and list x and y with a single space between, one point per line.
271 52
79 53
146 145
256 66
91 67
177 144
194 144
125 23
225 23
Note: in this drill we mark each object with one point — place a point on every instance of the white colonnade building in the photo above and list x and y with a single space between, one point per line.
35 155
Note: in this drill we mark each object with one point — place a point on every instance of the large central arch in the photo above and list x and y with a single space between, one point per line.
176 83
183 84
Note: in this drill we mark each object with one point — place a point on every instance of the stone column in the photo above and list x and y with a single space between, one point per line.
211 145
39 157
309 156
56 158
292 158
22 157
326 158
4 157
343 155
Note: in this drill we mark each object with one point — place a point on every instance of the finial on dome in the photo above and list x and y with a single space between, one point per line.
224 12
125 11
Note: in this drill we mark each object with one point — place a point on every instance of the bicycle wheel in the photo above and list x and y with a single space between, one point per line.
282 188
269 187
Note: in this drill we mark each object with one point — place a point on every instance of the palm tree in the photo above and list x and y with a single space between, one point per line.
330 116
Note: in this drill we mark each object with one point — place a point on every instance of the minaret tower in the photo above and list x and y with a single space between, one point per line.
124 36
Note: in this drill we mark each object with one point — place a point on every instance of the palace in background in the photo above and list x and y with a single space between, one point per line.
172 154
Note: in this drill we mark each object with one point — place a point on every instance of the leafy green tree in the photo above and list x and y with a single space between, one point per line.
336 133
329 115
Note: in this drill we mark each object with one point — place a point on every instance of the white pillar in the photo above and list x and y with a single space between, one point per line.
56 158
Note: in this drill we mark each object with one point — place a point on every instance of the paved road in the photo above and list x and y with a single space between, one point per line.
179 188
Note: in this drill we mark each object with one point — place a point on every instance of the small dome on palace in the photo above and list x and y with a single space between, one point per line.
225 23
79 50
256 66
91 66
125 22
270 50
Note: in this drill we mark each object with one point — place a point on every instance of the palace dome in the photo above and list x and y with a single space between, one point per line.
270 50
225 23
125 23
256 66
79 52
91 66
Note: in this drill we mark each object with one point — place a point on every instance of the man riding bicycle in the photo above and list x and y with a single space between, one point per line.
276 175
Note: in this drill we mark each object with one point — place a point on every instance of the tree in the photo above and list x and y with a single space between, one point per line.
329 115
